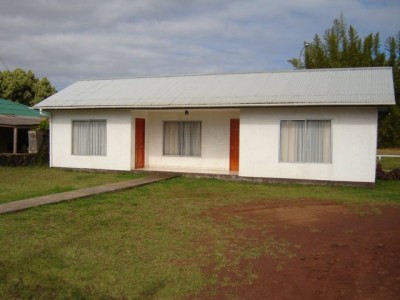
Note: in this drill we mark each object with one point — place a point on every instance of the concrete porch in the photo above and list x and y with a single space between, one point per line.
189 171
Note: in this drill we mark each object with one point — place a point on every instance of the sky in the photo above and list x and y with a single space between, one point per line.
72 40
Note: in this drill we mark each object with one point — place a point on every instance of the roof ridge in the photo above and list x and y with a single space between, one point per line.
235 73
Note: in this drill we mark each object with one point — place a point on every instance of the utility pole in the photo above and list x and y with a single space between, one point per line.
301 52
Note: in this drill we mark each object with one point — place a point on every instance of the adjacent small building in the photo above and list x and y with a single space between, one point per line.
308 125
15 121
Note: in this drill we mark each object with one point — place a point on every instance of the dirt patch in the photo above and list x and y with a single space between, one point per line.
310 250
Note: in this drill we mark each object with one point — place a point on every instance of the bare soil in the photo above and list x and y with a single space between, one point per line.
389 151
317 250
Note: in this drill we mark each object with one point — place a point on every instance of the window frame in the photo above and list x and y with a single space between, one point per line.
182 121
91 148
280 160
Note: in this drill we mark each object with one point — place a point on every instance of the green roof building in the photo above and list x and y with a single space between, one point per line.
16 120
8 107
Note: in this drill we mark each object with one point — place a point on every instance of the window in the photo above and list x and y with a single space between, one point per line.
182 138
305 141
89 137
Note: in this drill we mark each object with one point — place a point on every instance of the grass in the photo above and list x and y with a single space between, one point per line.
153 242
389 163
25 182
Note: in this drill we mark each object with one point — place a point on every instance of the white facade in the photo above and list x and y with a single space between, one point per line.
121 139
345 100
354 142
354 138
118 140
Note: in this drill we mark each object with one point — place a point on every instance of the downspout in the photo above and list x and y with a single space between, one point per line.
50 142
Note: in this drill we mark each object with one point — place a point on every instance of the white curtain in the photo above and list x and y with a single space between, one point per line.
182 138
171 138
292 140
89 137
319 141
195 145
305 141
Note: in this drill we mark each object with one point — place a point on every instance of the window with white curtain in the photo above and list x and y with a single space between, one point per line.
305 141
182 138
89 137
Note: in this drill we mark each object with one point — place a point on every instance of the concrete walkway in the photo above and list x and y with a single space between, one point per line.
86 192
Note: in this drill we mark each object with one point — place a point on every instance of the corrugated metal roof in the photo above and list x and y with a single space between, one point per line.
8 107
357 86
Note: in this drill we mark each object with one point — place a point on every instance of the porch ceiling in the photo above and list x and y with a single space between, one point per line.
16 121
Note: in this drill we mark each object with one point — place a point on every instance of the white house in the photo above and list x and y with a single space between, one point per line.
318 125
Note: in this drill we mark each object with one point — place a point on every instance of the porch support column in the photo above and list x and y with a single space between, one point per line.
15 140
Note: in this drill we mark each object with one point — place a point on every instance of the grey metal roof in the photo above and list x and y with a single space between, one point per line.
356 86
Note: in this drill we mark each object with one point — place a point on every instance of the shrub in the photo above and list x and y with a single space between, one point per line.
392 175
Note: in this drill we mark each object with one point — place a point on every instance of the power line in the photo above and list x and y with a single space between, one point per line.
4 63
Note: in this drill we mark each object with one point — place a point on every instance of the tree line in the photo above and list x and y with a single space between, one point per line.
341 47
24 87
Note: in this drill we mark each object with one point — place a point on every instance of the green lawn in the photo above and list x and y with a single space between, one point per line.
389 163
25 182
147 243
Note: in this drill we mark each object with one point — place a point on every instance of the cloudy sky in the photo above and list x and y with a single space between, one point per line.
85 39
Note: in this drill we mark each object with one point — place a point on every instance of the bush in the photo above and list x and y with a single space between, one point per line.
392 175
43 125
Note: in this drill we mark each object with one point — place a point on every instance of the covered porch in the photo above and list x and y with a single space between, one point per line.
190 141
14 133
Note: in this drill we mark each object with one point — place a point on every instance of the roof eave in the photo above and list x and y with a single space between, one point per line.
245 105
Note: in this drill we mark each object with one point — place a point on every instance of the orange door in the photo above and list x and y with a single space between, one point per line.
139 143
234 146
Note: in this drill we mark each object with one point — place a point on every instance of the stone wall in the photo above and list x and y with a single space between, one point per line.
28 159
15 160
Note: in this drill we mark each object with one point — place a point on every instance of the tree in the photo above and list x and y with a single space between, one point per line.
342 47
24 87
389 129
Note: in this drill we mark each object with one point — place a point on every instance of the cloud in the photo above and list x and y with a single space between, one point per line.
71 40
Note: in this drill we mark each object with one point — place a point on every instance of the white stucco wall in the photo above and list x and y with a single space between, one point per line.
354 138
118 140
215 138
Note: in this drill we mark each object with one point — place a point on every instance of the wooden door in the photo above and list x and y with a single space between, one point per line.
234 146
139 143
